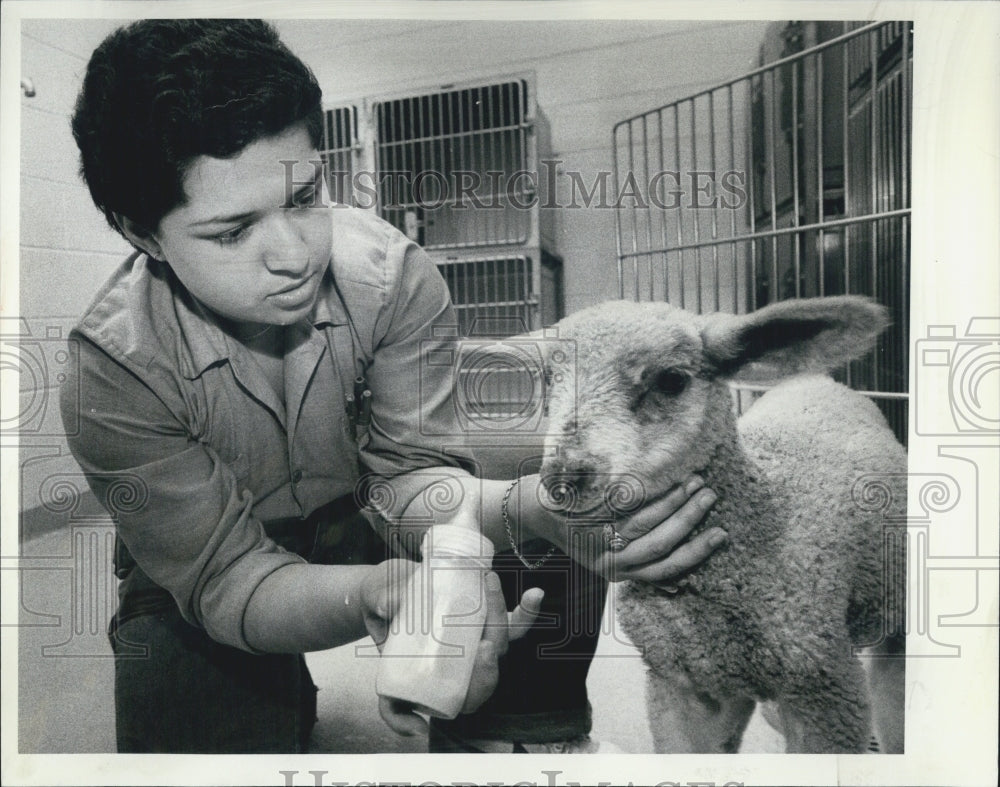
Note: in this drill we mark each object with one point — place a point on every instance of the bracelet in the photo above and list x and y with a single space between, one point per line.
510 534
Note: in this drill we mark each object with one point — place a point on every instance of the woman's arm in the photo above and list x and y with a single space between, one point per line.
306 607
657 549
189 522
310 607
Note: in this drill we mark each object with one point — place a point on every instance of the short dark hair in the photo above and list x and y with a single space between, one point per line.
160 92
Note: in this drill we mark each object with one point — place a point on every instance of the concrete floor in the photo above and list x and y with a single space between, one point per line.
66 671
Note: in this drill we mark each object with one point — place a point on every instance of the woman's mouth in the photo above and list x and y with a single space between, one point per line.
294 294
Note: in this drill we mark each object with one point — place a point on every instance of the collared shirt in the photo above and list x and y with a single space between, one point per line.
174 405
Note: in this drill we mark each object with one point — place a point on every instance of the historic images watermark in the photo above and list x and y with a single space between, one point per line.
549 187
498 386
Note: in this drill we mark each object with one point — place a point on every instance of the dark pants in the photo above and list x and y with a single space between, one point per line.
193 695
177 690
190 694
542 694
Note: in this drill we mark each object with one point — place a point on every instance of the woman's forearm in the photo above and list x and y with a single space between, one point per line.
303 607
445 491
527 518
437 494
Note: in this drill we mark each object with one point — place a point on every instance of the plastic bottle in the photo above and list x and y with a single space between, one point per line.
428 656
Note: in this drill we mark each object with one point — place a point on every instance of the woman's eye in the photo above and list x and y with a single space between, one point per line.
235 235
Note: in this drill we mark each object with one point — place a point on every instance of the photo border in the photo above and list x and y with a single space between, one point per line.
952 702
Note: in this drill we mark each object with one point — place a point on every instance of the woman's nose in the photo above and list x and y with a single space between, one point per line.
286 250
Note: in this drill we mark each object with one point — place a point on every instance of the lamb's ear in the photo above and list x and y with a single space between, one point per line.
789 337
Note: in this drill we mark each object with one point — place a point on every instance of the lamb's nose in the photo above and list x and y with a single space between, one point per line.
567 481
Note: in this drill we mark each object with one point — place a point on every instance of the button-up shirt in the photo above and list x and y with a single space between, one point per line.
177 412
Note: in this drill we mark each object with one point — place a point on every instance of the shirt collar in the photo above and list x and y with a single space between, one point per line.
329 308
209 344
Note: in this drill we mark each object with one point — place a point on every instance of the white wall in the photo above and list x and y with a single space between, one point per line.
67 249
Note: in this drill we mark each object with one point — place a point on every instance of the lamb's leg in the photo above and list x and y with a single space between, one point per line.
831 715
886 678
683 719
772 715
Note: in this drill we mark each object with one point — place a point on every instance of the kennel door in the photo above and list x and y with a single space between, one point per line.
449 164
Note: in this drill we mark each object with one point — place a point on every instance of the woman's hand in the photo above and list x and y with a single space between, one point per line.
381 595
657 548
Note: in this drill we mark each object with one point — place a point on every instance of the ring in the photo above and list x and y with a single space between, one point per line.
614 540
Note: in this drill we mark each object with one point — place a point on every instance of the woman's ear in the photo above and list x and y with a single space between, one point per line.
139 236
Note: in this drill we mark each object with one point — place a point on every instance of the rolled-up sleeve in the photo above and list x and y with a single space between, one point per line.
192 531
414 426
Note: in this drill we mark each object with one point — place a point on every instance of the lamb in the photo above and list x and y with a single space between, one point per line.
778 615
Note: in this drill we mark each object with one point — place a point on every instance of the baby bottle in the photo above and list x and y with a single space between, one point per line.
429 654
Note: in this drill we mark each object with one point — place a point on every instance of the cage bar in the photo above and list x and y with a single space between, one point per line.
338 151
438 141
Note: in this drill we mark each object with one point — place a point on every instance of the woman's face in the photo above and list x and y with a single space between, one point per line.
254 237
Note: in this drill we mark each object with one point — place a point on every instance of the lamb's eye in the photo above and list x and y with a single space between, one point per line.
670 382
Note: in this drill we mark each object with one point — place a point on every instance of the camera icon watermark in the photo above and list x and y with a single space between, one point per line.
497 386
39 353
965 369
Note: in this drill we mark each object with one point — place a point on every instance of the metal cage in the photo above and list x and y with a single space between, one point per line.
790 181
452 154
456 170
340 148
503 295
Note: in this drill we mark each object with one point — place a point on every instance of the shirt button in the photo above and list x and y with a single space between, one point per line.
296 476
